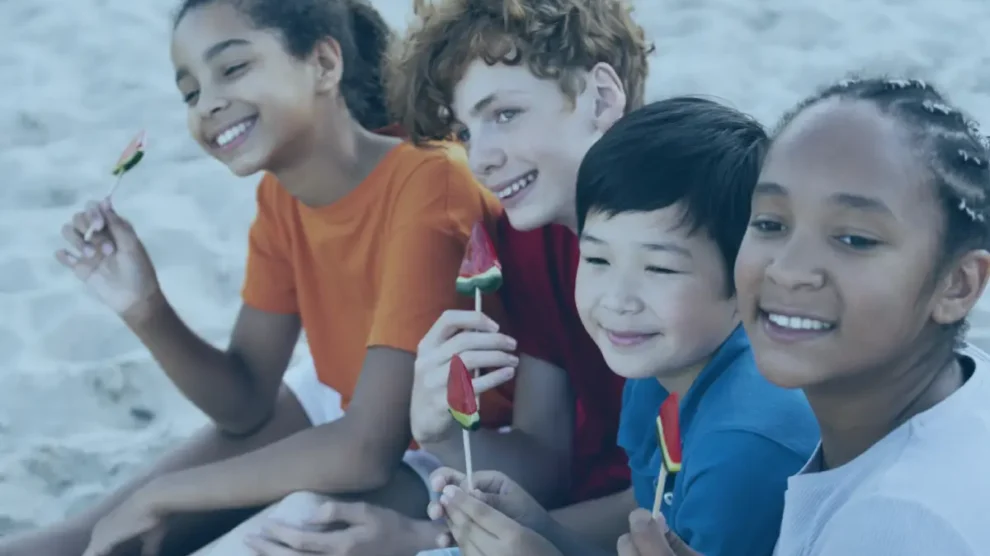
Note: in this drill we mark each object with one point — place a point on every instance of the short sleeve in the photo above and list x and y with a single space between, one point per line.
888 526
733 498
269 281
430 225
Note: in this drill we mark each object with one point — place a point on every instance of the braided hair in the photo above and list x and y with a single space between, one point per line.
954 152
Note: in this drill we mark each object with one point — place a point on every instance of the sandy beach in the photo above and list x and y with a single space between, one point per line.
82 405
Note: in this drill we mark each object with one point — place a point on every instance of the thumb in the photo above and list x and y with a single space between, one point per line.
678 546
351 513
121 230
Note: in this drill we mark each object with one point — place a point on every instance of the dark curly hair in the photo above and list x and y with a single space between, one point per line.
555 39
359 29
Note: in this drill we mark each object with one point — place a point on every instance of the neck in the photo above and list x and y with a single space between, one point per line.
335 164
857 413
680 382
568 221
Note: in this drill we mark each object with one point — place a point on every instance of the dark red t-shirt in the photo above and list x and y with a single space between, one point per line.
539 268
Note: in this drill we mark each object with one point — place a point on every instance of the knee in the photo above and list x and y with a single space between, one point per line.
298 507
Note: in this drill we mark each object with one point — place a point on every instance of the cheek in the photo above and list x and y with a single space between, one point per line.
748 272
585 292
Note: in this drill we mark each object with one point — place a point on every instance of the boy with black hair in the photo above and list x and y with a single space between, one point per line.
662 207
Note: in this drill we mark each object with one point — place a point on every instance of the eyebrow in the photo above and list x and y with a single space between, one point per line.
649 246
212 52
486 102
848 200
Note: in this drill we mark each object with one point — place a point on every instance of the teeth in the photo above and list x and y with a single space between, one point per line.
798 323
232 133
516 186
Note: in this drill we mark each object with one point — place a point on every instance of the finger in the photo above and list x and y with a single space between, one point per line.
304 541
81 222
677 545
351 513
648 535
472 340
434 510
121 230
266 547
470 535
445 540
493 379
488 482
96 221
625 546
75 240
461 508
451 322
67 259
446 476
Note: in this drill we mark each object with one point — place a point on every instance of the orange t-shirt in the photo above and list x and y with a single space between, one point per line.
376 268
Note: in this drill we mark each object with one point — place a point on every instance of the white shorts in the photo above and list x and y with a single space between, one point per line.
322 405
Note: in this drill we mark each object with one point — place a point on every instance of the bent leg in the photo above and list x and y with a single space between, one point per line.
406 493
188 532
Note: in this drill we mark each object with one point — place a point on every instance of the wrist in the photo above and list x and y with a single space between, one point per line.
147 310
152 496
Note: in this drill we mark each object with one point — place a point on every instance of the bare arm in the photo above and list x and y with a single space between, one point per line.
356 453
236 388
536 453
592 527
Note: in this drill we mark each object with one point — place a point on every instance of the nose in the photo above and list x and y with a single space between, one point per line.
485 155
620 296
795 267
210 104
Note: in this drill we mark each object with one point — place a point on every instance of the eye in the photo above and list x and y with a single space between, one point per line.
506 115
595 261
462 135
661 270
857 242
766 226
231 70
190 97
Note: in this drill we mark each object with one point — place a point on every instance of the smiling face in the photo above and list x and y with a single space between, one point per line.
836 274
652 296
526 139
251 104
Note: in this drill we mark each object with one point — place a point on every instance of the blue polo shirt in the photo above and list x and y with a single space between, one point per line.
741 436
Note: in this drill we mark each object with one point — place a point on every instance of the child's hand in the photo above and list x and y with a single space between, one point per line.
113 263
474 337
651 537
481 530
495 490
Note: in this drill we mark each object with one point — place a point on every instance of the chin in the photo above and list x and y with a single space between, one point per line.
526 218
243 167
785 371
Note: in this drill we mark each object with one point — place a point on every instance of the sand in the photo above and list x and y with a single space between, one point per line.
82 405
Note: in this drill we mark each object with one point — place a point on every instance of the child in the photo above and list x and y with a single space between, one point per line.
855 280
357 240
662 206
528 115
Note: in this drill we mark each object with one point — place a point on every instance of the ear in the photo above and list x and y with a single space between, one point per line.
329 65
962 287
609 95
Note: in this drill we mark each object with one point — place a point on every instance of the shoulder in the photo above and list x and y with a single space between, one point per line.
433 182
742 401
887 523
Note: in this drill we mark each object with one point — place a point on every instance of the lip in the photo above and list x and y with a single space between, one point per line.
628 338
215 134
500 189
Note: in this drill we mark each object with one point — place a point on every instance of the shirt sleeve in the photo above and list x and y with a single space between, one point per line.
269 281
733 499
888 526
430 225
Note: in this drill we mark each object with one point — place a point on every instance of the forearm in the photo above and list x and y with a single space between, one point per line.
328 459
600 521
537 468
199 369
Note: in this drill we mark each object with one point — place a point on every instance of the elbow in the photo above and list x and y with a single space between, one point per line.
248 413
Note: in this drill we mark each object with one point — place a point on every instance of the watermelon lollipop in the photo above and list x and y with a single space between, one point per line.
131 155
669 440
480 269
128 159
462 402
